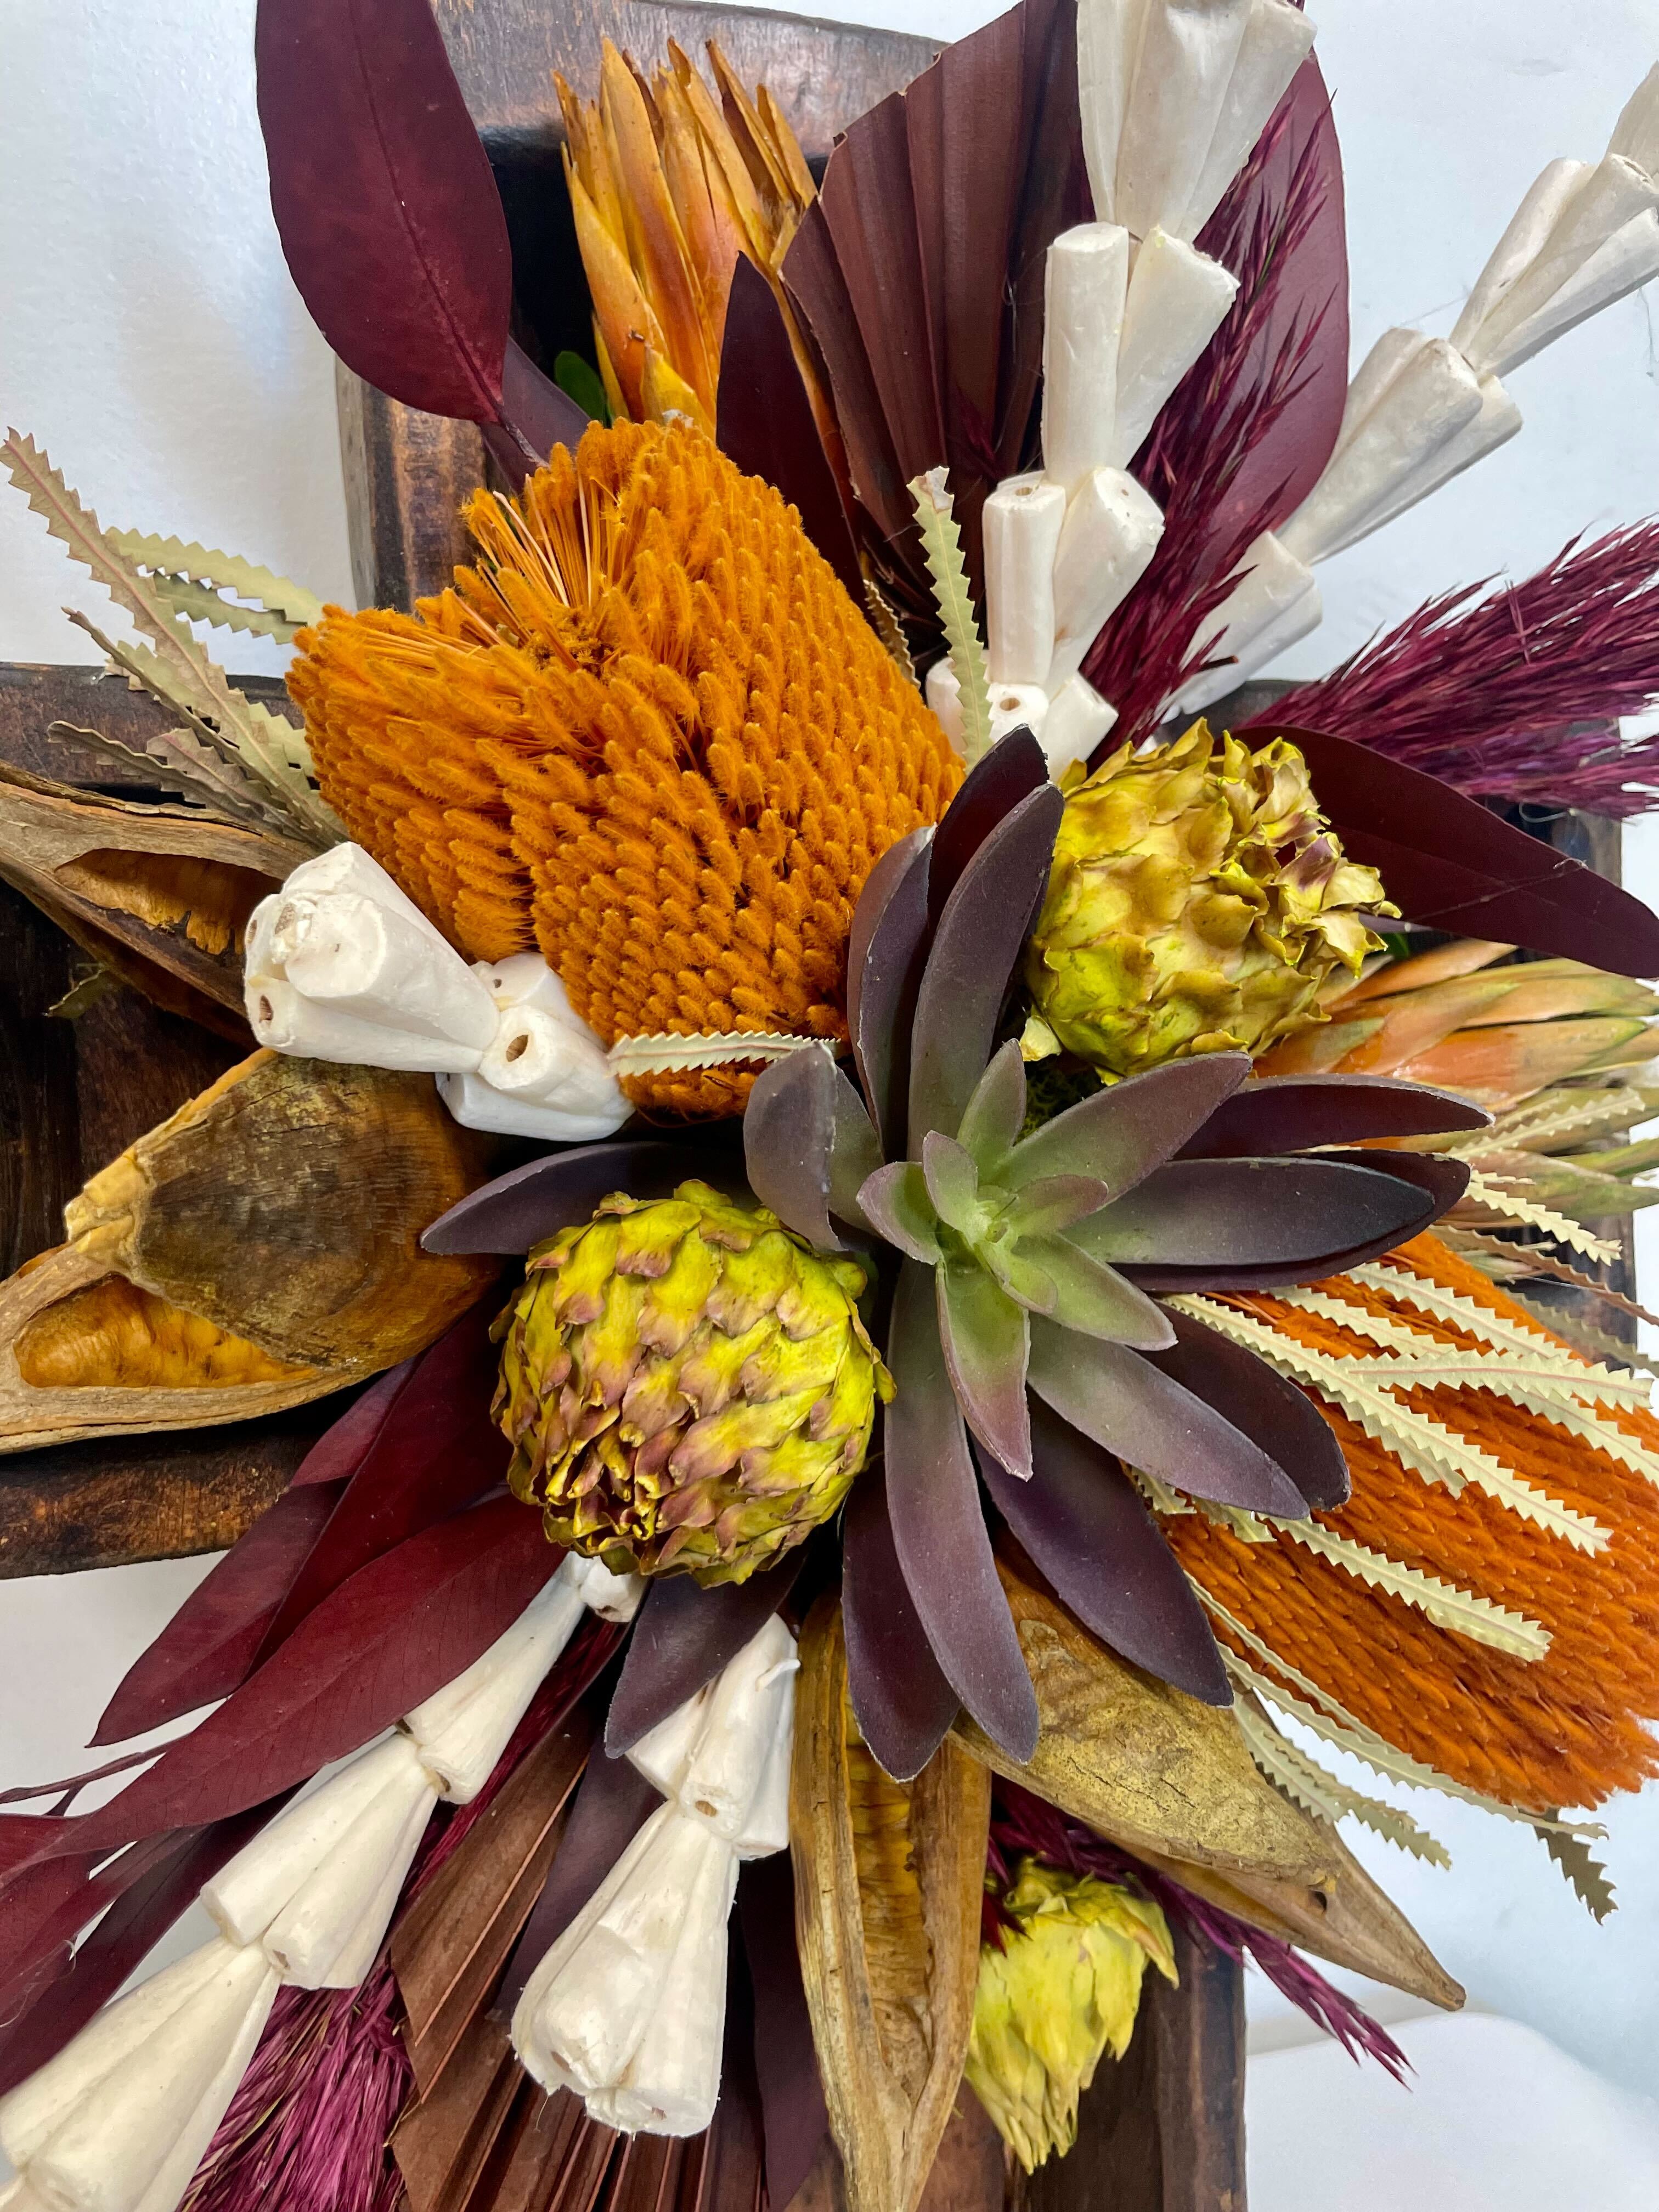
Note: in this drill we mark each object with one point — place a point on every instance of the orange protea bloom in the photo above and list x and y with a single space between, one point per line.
648 733
1564 1729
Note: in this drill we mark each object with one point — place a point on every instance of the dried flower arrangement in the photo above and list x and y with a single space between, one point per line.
1026 1299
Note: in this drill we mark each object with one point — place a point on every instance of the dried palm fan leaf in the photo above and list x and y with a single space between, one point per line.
889 1877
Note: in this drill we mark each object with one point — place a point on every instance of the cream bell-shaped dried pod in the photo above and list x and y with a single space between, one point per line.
1109 34
1636 134
548 1075
118 2120
1178 300
368 961
711 1753
1078 718
1278 39
1420 408
1086 283
1496 423
1111 533
1013 705
1528 227
1629 259
287 1021
612 1596
1021 522
1188 50
1272 605
1600 202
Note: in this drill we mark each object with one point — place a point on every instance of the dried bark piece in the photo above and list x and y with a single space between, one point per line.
285 1205
1146 1765
889 1878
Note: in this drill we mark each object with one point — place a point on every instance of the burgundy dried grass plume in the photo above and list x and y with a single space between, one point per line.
1513 694
1023 1825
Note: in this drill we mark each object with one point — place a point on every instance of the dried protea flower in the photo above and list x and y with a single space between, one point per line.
668 187
686 1385
649 735
1197 903
1062 1989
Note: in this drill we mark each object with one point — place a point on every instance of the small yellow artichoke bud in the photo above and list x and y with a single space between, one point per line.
1064 1988
1197 903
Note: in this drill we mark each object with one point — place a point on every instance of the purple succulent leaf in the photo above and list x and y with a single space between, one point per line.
1122 1132
1084 1524
894 1200
1129 1406
986 1339
524 1208
1215 1215
952 1181
1010 770
1294 1112
902 1703
788 1133
1054 1203
1094 1299
1263 1403
1442 1181
975 948
886 951
682 1636
996 1112
939 1528
854 1151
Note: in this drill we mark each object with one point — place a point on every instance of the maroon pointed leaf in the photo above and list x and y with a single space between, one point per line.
1261 1403
813 277
901 1699
1294 1112
972 958
795 2119
984 1336
1439 1179
613 1802
1448 864
683 1636
1423 1186
1129 1406
1120 1133
939 1528
392 1635
209 1644
1214 1215
388 213
435 1450
541 412
338 1452
764 420
47 1905
1083 1522
165 1878
1010 770
525 1207
885 953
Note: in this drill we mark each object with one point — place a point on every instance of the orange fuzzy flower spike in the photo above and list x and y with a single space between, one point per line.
648 733
1565 1730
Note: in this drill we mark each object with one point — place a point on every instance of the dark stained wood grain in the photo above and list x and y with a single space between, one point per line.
34 695
406 475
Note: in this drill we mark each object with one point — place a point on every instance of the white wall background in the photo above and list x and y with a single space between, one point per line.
150 339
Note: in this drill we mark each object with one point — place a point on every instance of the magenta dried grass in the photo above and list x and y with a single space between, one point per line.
1513 695
1026 1826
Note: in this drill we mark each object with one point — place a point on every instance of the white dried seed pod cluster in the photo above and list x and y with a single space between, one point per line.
1420 410
118 2120
628 2008
340 965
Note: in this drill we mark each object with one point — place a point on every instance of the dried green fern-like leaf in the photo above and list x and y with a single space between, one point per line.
885 624
1586 1875
1319 1791
278 598
1444 1603
941 542
1492 1192
666 1054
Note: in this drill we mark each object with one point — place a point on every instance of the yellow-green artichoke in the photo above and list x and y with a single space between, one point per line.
1063 1990
1196 903
686 1386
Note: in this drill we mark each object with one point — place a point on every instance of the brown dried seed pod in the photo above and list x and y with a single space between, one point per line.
889 1878
1144 1764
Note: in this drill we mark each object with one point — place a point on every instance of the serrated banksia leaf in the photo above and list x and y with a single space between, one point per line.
686 1386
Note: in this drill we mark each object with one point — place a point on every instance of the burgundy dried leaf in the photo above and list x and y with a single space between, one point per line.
939 1528
886 954
794 2118
903 1704
1448 864
433 1451
1123 1400
525 1207
1295 1113
392 1635
975 947
542 413
46 1907
389 218
682 1636
1083 1522
1009 771
1260 1403
207 1647
813 277
1214 1215
1128 1130
764 420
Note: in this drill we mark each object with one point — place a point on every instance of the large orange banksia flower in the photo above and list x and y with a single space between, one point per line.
648 733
